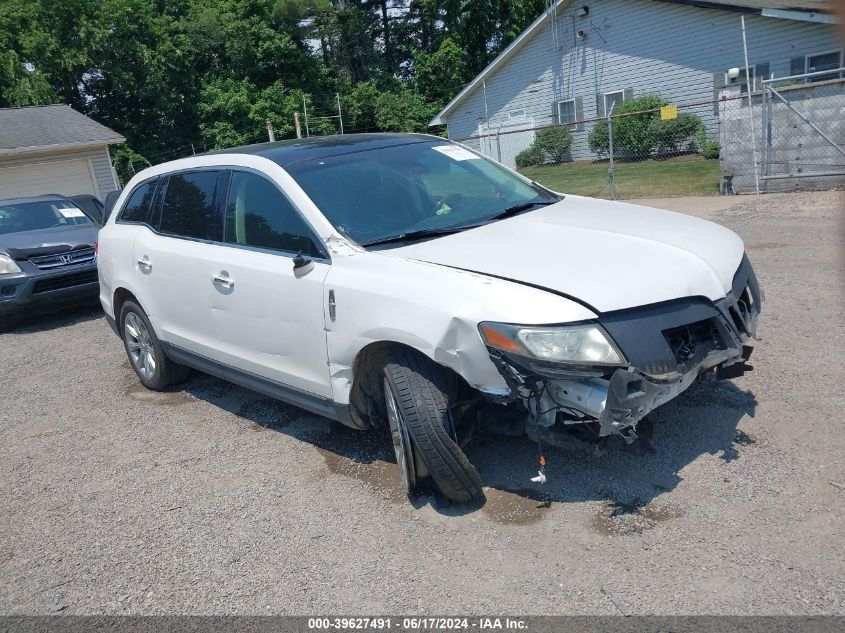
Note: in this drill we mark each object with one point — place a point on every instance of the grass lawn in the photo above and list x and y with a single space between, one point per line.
680 176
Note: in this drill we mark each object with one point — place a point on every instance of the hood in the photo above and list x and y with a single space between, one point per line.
52 240
608 255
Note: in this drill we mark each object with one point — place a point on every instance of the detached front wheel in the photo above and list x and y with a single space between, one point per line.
417 402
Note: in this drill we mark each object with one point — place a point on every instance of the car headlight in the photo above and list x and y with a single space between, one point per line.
8 265
585 344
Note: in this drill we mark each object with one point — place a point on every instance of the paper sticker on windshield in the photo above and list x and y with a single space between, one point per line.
456 152
71 213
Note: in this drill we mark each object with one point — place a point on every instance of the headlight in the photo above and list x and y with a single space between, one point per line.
8 265
585 344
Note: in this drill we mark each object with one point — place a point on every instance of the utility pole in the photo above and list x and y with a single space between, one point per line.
339 113
193 150
270 131
296 125
305 111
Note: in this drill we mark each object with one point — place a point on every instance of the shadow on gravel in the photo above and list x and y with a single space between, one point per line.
703 420
44 319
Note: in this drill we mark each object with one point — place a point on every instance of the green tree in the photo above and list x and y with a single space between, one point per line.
403 111
440 75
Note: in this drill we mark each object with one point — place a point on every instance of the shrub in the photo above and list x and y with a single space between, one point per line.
597 138
529 157
668 136
710 149
553 143
632 134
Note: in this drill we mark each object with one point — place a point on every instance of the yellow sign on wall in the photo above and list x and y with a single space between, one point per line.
668 112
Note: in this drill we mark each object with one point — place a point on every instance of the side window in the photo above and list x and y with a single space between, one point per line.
258 214
188 208
137 208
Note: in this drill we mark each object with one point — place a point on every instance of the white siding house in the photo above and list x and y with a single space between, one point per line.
54 149
580 56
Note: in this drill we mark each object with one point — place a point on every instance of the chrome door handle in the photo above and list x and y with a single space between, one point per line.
226 282
144 262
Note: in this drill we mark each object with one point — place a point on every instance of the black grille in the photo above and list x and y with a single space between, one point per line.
65 281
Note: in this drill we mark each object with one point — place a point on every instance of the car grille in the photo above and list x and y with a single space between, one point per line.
65 281
68 258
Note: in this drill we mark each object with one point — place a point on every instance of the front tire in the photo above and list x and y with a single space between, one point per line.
153 368
419 389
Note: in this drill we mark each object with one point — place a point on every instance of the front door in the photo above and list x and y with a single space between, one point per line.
268 319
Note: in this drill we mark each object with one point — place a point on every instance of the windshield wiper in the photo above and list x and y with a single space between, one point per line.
414 235
519 208
423 233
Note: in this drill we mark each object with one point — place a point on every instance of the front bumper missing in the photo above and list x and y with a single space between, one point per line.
619 403
669 346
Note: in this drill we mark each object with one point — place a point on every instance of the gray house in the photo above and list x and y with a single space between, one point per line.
54 149
581 57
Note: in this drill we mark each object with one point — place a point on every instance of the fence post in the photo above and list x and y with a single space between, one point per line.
767 134
749 80
339 113
305 112
611 172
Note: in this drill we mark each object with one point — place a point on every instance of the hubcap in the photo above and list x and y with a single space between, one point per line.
140 345
401 442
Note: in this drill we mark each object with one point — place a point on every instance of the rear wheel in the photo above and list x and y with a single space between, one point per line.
145 352
416 397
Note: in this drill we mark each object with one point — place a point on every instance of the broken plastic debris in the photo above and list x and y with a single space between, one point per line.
540 478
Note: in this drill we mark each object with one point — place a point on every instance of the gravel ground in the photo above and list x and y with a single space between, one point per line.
213 499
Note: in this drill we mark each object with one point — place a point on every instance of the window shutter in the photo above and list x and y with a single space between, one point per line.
600 105
628 94
797 66
579 112
718 84
555 113
761 72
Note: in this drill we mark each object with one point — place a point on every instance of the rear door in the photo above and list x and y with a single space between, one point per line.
173 257
268 320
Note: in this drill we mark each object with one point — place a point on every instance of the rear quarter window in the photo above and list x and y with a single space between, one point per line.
137 207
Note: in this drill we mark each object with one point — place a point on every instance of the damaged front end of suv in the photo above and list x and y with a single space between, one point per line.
604 376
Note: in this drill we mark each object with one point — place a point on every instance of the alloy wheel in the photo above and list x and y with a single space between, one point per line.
140 345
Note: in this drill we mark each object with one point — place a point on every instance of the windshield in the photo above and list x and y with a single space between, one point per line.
40 214
432 186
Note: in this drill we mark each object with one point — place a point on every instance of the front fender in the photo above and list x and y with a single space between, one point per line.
433 309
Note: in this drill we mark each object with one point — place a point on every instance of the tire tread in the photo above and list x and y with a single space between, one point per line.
421 389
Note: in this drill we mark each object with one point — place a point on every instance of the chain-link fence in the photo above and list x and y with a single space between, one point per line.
784 138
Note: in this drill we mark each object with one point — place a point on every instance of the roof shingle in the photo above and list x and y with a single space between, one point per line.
41 127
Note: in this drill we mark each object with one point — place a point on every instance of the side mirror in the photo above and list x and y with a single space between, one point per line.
108 207
301 265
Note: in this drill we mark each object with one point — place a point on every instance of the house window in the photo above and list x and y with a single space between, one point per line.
516 116
613 100
831 60
566 112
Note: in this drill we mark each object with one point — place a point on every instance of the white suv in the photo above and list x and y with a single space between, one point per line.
408 283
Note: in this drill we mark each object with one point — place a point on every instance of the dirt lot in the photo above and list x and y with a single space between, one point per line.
215 500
